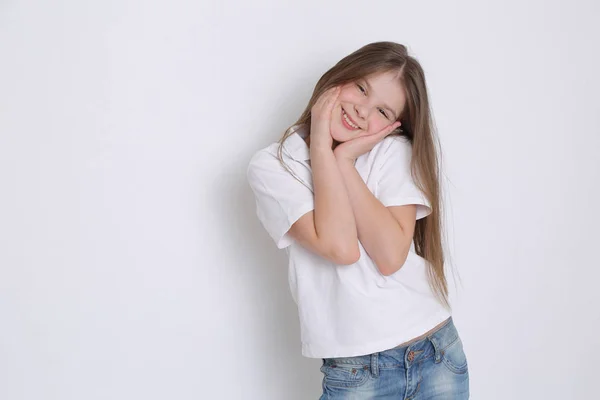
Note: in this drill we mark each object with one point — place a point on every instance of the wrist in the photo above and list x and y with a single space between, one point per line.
318 149
343 159
320 142
340 156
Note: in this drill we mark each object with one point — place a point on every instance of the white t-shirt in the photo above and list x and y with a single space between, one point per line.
346 310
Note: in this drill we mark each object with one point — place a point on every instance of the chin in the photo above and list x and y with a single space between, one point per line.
341 134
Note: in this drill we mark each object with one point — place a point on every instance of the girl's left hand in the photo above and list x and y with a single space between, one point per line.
354 148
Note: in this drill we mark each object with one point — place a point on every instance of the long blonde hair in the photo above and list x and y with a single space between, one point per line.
417 126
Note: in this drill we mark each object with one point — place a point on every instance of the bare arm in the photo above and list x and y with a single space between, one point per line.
329 230
385 233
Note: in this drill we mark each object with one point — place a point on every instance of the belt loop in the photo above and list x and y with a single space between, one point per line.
374 364
438 353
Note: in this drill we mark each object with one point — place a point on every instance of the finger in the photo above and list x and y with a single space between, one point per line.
332 97
371 140
389 129
375 138
326 96
324 106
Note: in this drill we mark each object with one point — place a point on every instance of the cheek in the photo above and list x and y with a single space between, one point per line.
377 124
344 97
348 94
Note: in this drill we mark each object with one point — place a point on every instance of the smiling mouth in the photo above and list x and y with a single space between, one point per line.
348 122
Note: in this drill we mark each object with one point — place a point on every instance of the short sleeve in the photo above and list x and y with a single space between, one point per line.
280 199
395 185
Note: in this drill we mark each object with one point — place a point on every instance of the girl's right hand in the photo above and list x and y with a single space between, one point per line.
320 118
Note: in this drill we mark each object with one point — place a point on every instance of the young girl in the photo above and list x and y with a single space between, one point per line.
352 193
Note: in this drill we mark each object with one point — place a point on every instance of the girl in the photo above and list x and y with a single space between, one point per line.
352 193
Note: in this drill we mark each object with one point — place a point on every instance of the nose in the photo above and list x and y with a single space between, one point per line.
360 111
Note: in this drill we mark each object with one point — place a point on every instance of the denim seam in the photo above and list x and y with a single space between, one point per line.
345 384
417 365
457 369
454 369
454 341
348 363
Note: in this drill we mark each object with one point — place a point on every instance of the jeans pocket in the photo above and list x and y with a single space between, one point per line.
454 357
344 375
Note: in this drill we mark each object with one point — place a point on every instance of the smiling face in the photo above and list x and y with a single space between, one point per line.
366 106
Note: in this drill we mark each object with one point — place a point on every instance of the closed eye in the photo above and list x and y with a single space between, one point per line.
364 92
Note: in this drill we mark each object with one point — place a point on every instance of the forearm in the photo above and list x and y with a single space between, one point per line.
334 219
378 231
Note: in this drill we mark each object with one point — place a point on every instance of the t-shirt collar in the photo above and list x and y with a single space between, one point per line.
295 145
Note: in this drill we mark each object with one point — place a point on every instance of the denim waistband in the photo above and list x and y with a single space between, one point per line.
433 345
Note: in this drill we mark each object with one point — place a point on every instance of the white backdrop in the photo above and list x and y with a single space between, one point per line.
132 265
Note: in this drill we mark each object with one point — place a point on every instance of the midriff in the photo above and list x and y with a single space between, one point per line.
435 328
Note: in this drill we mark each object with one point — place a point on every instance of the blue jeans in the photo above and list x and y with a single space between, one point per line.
432 368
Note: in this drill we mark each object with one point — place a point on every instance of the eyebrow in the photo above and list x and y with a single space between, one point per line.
386 106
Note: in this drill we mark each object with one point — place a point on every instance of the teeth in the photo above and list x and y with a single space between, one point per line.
348 120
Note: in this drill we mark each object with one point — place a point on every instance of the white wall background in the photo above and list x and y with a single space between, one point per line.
132 265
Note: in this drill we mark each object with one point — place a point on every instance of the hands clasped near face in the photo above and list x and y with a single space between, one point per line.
355 120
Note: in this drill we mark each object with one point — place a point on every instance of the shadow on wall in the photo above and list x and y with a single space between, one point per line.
263 272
